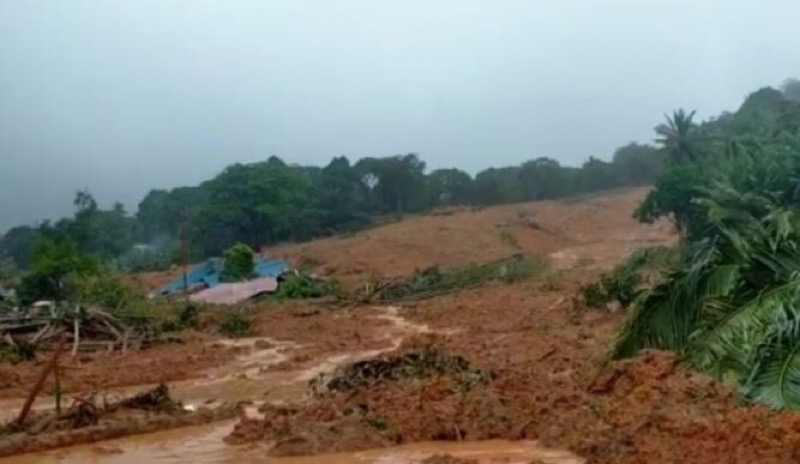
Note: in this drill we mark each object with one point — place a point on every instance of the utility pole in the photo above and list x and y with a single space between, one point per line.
184 219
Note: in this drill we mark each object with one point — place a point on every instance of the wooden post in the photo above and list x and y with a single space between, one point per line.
57 378
184 253
76 336
26 408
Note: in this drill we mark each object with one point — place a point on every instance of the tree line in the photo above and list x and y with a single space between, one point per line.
272 201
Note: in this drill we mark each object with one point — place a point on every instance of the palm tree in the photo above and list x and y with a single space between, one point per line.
733 309
677 137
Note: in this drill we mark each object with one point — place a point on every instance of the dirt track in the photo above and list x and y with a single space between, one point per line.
546 353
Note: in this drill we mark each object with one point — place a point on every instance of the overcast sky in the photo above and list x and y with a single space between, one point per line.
124 96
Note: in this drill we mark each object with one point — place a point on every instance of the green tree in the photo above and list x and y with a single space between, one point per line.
637 164
673 197
54 263
160 212
596 175
791 89
16 244
239 264
400 181
341 195
677 137
487 188
542 179
449 187
255 204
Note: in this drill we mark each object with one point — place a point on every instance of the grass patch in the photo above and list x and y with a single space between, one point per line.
433 281
235 325
156 317
302 286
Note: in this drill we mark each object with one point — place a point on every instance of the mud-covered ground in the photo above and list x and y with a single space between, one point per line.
589 233
536 365
182 359
550 383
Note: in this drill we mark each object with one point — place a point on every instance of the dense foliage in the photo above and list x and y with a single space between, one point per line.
239 264
270 201
732 307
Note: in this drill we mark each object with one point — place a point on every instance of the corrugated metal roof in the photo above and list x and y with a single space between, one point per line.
233 293
206 274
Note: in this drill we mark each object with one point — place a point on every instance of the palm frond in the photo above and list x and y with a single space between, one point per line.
775 375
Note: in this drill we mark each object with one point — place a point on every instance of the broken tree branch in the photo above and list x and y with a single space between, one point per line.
37 387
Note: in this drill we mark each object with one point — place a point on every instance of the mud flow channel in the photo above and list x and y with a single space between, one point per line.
249 378
204 445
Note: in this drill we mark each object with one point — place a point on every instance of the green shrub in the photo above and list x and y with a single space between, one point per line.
433 281
624 282
189 315
301 286
106 291
239 264
234 325
18 353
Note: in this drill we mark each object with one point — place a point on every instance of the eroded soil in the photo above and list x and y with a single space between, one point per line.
550 378
87 372
550 384
586 233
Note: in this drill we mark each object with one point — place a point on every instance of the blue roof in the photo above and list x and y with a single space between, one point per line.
207 274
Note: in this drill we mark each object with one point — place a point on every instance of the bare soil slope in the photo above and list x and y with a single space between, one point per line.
588 232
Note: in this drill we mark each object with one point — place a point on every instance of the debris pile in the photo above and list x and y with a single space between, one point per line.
157 399
379 403
89 329
92 418
423 363
432 281
88 410
204 282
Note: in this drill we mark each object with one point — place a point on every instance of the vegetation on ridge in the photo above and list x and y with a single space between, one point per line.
732 308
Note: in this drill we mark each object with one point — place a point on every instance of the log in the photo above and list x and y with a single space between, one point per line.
37 387
41 334
76 339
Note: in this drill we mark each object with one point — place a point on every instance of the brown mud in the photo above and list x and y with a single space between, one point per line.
193 353
587 233
551 385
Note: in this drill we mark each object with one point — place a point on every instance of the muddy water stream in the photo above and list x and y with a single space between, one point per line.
203 445
249 378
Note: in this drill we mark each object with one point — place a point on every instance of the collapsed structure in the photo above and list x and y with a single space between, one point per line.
204 285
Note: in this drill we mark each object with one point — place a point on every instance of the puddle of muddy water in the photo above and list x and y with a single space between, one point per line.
204 445
248 377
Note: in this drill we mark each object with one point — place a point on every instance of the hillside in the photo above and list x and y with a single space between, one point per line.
594 232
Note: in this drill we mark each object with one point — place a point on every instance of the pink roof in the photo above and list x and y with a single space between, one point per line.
236 292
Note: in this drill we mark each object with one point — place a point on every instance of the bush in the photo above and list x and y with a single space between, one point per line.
54 267
15 354
239 264
433 281
234 325
108 292
189 315
624 282
301 286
